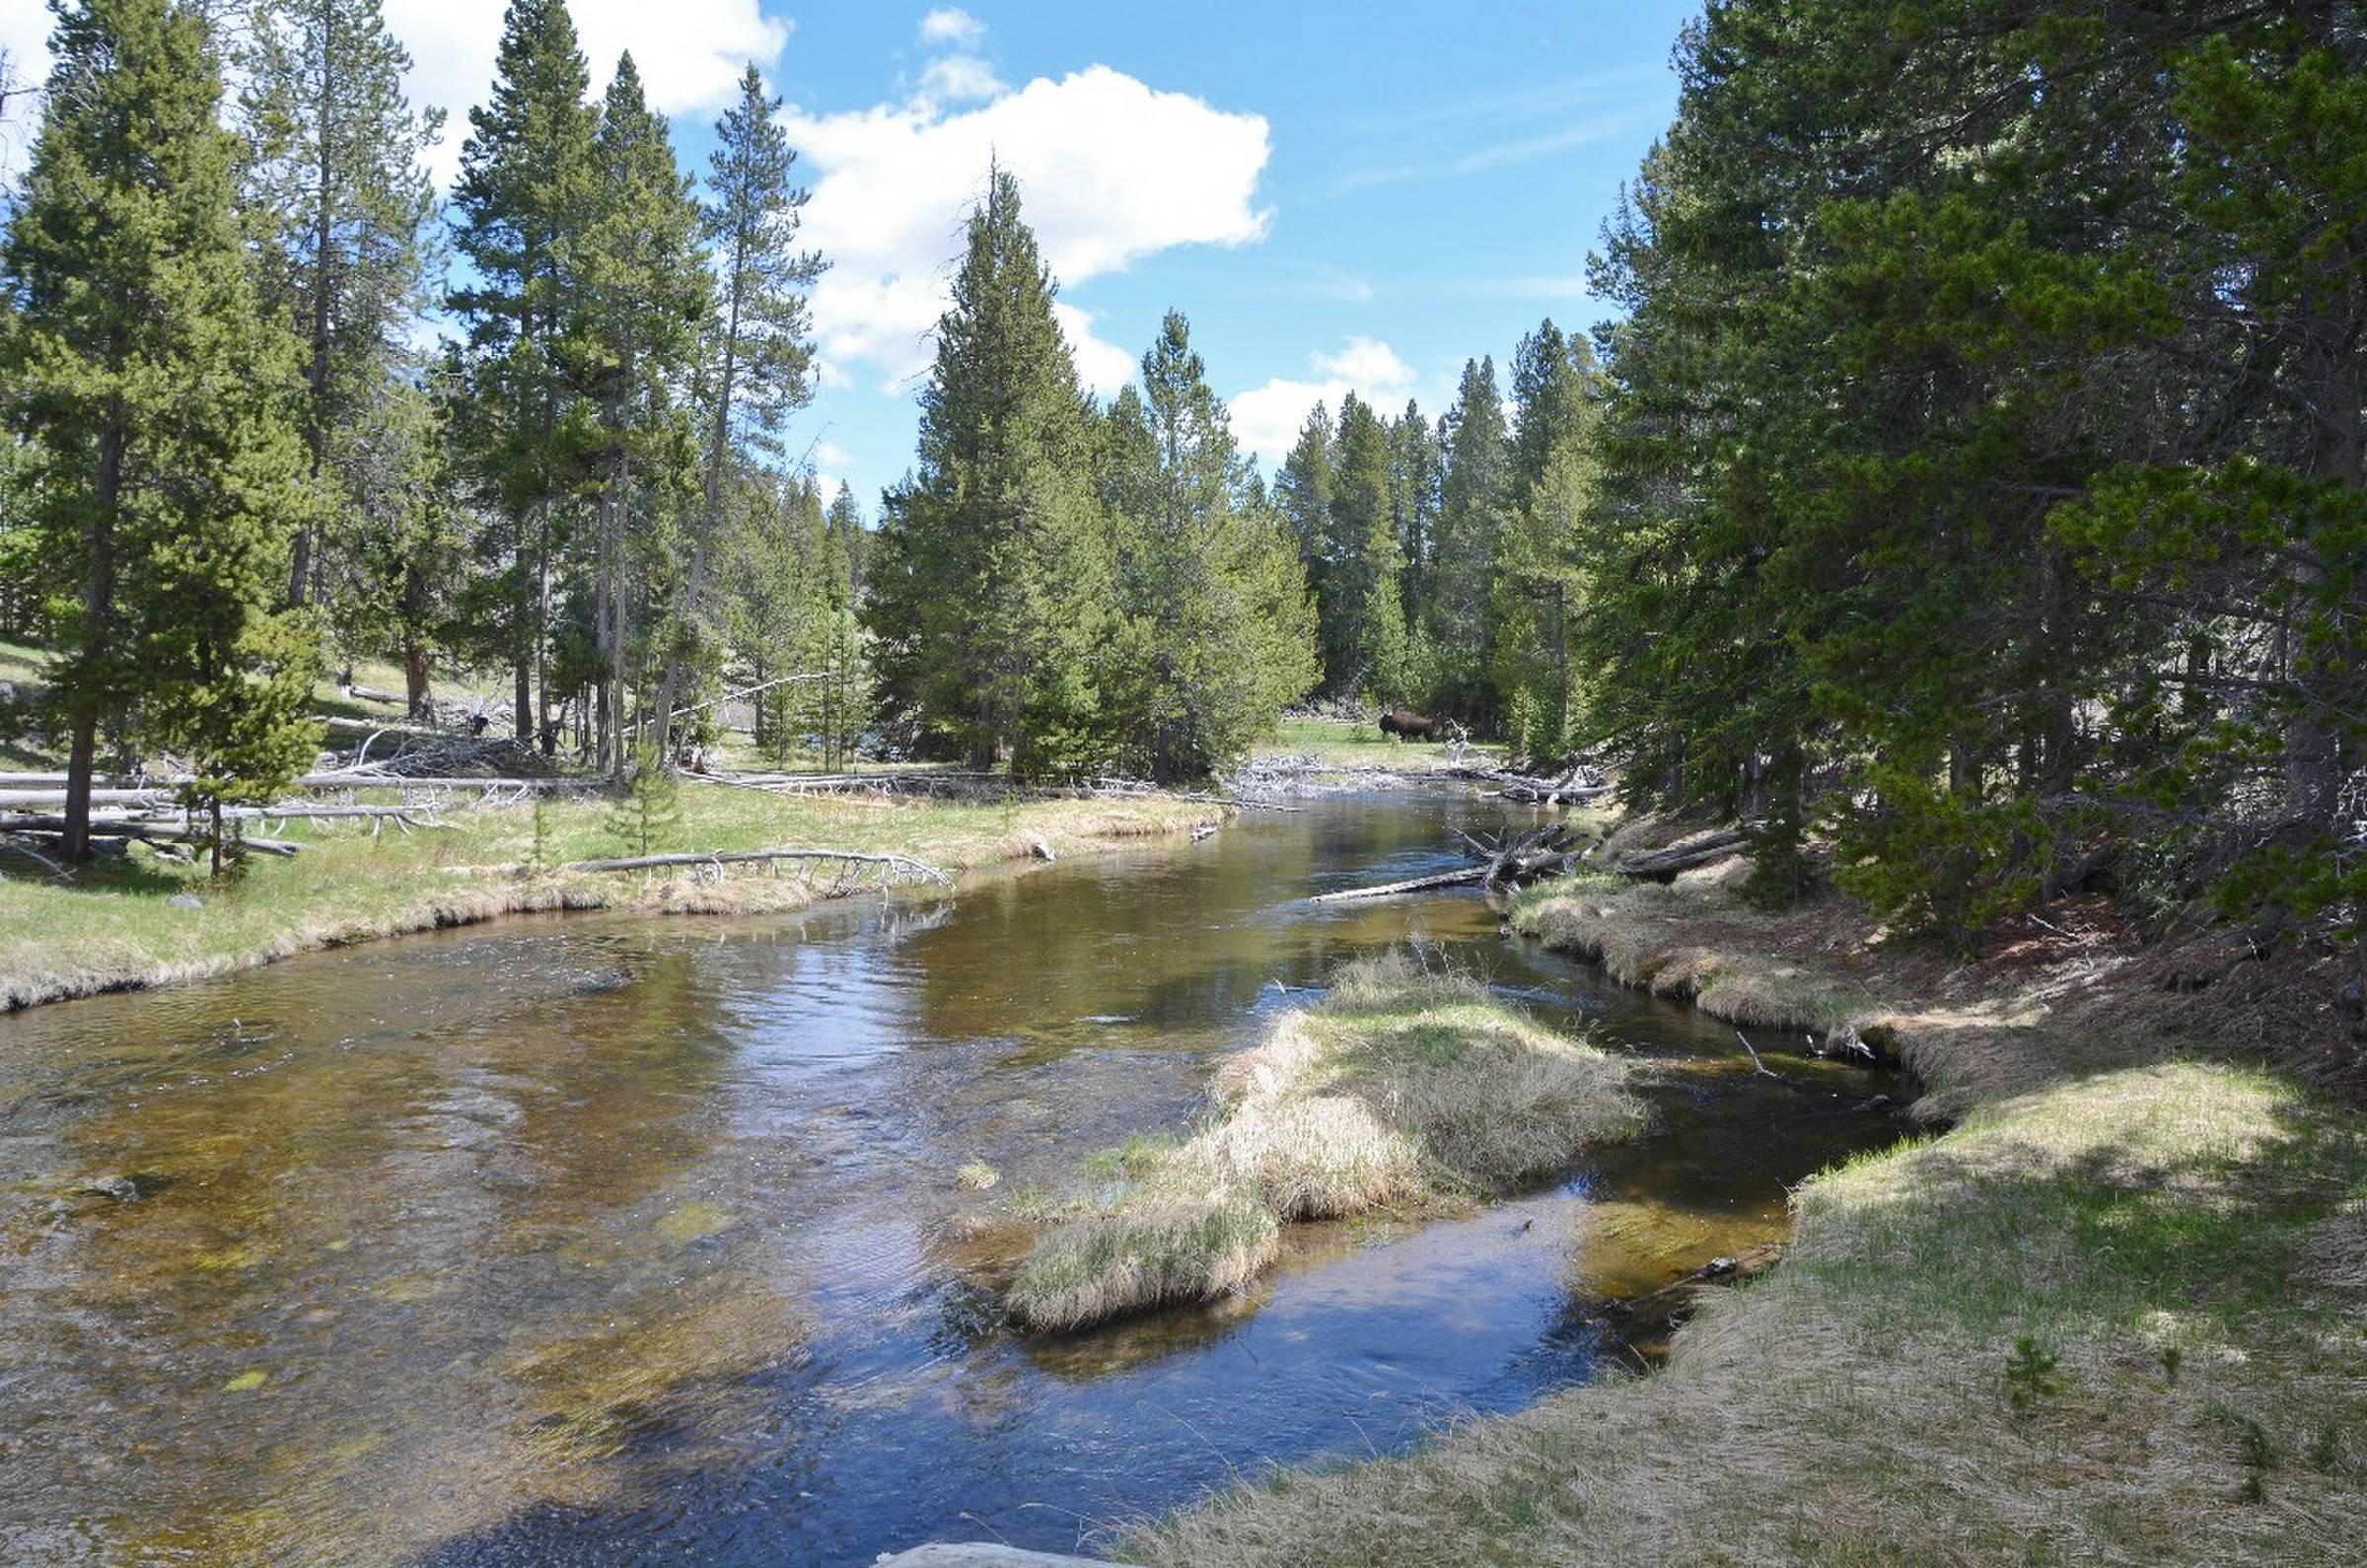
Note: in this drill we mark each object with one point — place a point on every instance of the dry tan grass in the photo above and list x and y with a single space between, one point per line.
1401 1089
2163 1248
1857 1405
1167 1246
351 886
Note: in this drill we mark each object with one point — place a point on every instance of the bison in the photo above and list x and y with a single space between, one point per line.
1409 724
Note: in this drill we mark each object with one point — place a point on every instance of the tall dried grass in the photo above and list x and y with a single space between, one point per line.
1401 1089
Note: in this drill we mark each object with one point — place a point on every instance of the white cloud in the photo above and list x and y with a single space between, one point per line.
1267 420
832 457
960 79
1102 366
952 25
1109 171
689 53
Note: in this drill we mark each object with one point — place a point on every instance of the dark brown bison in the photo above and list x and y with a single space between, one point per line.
1409 724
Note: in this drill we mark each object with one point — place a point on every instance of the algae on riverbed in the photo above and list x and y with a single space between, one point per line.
1401 1089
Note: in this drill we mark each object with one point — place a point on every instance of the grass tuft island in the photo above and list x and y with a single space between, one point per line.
1400 1090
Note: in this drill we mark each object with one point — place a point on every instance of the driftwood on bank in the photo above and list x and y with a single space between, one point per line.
1573 785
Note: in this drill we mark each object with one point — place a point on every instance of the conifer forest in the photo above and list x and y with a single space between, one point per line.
1731 928
1971 475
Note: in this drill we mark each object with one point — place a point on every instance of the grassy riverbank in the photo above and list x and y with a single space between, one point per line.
1400 1090
116 927
1354 744
2115 1312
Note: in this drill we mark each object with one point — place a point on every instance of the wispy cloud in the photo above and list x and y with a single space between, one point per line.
1601 128
952 25
1522 103
1543 286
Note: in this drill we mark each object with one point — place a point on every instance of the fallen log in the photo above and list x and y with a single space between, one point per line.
1683 856
738 857
1507 863
1741 1265
148 832
1469 876
20 800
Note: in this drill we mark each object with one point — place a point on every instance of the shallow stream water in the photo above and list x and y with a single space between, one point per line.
628 1239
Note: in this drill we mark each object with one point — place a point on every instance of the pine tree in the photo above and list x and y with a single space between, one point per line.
643 298
760 351
988 599
157 396
1219 631
520 205
839 655
1540 577
776 551
1362 610
1475 506
1416 467
1303 496
334 177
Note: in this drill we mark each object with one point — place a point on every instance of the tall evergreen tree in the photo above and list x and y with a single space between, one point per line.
1540 569
1362 608
521 205
643 298
1474 506
1416 467
760 350
335 175
157 396
988 598
1219 634
1302 497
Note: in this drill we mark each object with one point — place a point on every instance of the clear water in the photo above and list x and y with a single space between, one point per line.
604 1240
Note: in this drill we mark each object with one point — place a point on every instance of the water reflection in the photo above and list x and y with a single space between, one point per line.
621 1240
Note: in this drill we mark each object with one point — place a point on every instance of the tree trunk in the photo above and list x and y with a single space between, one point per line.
99 604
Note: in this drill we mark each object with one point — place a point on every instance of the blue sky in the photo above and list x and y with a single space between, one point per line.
1335 194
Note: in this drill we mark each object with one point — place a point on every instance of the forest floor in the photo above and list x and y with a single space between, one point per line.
143 921
2111 1307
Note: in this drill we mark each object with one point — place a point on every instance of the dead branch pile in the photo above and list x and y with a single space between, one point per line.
1573 785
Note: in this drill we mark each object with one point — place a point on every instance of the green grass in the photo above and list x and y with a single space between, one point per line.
113 926
1339 743
1400 1090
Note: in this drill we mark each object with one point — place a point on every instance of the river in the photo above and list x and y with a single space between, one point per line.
629 1240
